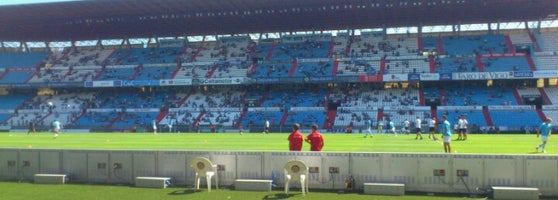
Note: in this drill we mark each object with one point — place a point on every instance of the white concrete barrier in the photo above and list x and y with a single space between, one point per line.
50 178
252 184
384 188
152 182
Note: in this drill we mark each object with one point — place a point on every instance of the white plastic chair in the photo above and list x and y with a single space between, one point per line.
296 170
204 168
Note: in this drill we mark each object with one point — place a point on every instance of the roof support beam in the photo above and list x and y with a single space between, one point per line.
24 45
47 45
157 41
99 44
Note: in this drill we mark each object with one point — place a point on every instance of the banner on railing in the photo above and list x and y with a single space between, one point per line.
104 110
17 69
120 66
264 109
264 80
445 76
198 63
458 108
550 107
169 82
220 109
320 79
160 65
351 109
85 67
142 110
413 77
510 107
429 77
481 75
223 109
302 109
135 83
502 55
188 109
28 111
395 77
523 74
406 108
545 74
370 78
356 59
217 81
313 60
65 110
99 84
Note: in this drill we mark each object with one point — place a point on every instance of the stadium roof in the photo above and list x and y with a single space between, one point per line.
116 19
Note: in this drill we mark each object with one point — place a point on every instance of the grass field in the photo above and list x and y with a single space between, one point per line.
19 191
476 143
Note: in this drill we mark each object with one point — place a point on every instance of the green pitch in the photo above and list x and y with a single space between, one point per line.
476 143
19 191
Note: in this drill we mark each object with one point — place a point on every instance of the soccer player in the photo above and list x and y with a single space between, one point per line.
315 139
368 124
432 128
56 126
266 127
418 127
462 128
198 126
171 121
545 130
154 126
380 126
31 127
295 139
391 126
445 129
406 126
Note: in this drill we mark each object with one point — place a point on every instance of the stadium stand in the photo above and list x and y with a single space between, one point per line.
287 58
548 41
18 60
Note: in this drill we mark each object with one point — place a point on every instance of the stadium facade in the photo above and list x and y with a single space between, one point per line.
119 65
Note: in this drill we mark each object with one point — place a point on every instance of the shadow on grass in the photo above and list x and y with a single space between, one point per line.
278 196
185 191
295 193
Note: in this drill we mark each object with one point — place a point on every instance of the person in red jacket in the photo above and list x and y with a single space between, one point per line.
295 139
315 139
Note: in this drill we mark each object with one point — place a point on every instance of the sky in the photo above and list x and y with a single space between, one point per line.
16 2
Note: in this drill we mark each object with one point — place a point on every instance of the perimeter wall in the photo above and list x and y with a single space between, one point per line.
442 173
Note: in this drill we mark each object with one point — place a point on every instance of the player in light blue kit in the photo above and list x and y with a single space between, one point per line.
154 126
545 130
391 126
445 129
56 126
368 124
